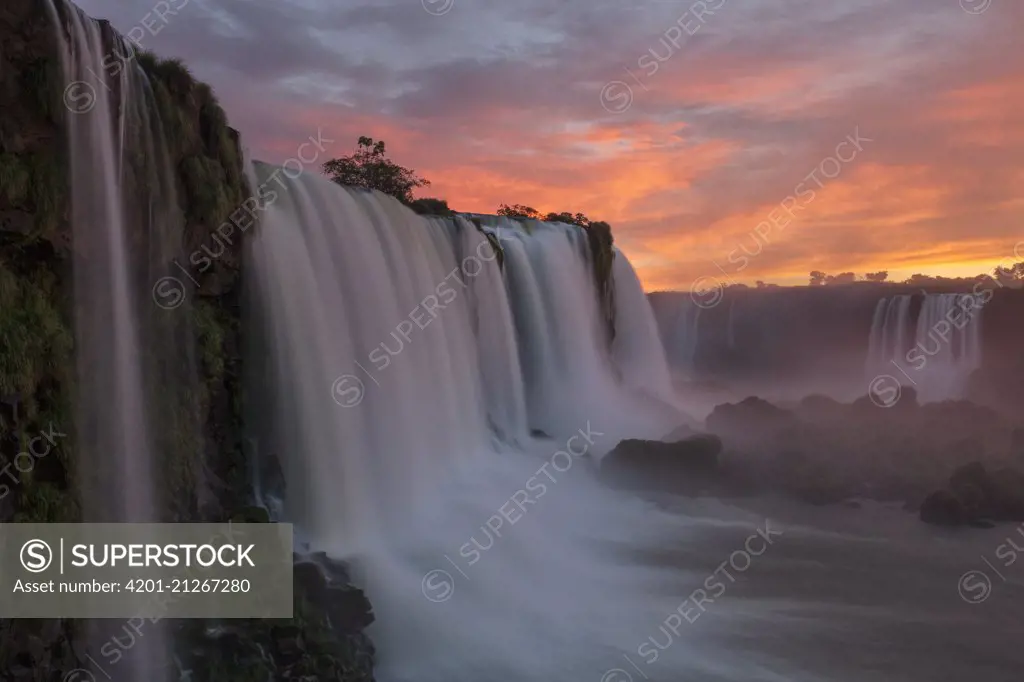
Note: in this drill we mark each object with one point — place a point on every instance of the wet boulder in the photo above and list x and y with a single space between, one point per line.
680 466
752 422
1007 494
943 508
997 495
325 582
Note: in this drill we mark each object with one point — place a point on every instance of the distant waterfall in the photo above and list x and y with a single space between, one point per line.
935 348
678 321
730 332
890 330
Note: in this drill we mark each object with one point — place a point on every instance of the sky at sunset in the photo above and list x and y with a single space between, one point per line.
741 140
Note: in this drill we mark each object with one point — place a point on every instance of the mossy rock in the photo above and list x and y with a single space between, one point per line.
174 73
204 180
35 341
48 191
15 180
602 258
211 330
43 503
493 240
41 77
35 182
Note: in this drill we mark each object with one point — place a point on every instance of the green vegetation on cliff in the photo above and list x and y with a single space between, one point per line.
33 183
199 140
35 339
191 361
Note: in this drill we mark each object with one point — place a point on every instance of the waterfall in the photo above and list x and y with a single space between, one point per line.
680 334
418 386
638 351
112 417
436 353
125 222
730 332
889 330
936 351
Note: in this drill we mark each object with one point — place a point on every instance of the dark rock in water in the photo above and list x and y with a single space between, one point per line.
977 497
658 465
973 488
821 408
325 582
998 495
803 477
942 508
322 641
969 478
349 609
1007 494
289 644
893 401
752 421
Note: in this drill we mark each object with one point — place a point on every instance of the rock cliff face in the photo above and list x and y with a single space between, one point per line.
36 297
193 347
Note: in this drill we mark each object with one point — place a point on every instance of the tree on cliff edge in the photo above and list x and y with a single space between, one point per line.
370 168
523 211
519 211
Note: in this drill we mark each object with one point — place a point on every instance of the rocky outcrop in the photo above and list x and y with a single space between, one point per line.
752 421
976 495
35 290
324 641
686 466
822 451
942 508
200 428
602 255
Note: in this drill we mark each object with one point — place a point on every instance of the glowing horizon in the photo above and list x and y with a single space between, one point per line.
684 132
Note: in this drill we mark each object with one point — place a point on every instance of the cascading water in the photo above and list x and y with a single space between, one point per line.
890 328
423 332
730 333
408 373
124 222
112 417
682 338
936 351
409 379
562 344
637 346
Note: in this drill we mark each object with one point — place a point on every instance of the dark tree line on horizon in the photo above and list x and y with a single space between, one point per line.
1002 275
